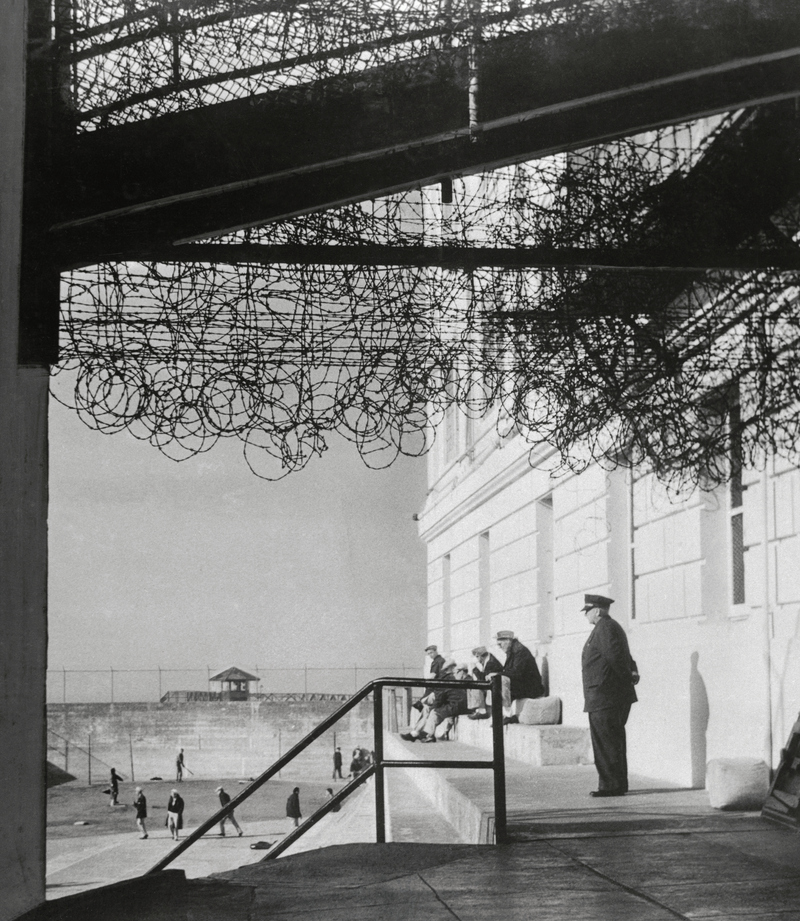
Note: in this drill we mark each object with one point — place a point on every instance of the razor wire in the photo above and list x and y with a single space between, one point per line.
598 365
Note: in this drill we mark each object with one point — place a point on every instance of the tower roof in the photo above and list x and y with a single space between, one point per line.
234 674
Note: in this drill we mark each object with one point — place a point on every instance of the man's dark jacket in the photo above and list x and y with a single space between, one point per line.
488 666
450 701
521 668
607 667
436 666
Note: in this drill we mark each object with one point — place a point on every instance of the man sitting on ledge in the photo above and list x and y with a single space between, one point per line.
447 702
521 678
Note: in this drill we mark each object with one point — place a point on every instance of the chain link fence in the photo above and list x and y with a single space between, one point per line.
142 685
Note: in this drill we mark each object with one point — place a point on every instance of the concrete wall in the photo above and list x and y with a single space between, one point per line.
237 739
719 679
23 522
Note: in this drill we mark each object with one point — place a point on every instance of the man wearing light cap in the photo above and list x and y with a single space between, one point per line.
486 666
520 669
609 674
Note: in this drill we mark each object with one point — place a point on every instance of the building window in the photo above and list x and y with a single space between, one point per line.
632 542
736 498
485 587
447 602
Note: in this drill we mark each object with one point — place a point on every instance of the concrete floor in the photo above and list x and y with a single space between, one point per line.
658 853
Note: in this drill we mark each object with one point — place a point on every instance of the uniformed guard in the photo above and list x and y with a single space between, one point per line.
609 674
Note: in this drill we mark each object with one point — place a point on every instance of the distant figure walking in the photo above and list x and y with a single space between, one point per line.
179 766
293 806
337 764
175 814
224 799
114 786
140 802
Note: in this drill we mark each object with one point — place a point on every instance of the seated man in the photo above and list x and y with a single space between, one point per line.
485 666
521 678
446 702
434 670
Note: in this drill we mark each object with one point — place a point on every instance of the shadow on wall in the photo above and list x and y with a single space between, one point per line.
698 722
545 671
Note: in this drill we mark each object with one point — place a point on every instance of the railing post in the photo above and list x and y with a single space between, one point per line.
499 759
380 804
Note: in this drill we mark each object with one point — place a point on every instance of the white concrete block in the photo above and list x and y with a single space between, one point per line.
737 783
539 712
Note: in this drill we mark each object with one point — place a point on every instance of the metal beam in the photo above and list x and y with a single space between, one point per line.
468 258
199 173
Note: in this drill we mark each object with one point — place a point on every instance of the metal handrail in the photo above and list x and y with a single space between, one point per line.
497 764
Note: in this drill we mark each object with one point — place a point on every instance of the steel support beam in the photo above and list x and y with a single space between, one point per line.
470 258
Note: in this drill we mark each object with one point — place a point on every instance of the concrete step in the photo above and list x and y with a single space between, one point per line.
540 746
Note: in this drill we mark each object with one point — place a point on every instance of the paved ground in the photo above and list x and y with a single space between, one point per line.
659 853
84 857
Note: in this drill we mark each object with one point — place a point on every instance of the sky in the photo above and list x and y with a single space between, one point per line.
155 563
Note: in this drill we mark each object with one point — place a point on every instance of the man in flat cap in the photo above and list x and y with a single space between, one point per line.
520 669
437 661
609 674
434 671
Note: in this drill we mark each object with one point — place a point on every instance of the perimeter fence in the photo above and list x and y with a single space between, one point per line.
140 685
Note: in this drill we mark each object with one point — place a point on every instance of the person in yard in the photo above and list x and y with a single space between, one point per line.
293 806
180 764
337 806
140 804
224 799
337 764
175 814
114 786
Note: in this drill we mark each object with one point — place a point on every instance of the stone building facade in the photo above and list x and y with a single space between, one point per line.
707 585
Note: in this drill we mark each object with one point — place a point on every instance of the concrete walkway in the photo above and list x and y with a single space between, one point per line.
658 853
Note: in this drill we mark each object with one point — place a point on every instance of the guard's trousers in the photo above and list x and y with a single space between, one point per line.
607 728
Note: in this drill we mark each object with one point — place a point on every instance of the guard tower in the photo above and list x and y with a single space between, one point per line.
234 684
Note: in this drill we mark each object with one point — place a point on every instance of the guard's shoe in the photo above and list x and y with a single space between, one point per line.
508 720
428 739
607 793
408 737
477 716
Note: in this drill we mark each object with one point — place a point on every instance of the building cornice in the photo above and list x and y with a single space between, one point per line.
432 525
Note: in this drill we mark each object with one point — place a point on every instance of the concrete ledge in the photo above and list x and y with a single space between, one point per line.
540 746
473 824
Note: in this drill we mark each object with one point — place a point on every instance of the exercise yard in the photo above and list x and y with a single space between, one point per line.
107 848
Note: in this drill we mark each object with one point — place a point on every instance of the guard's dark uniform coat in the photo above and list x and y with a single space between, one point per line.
608 693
